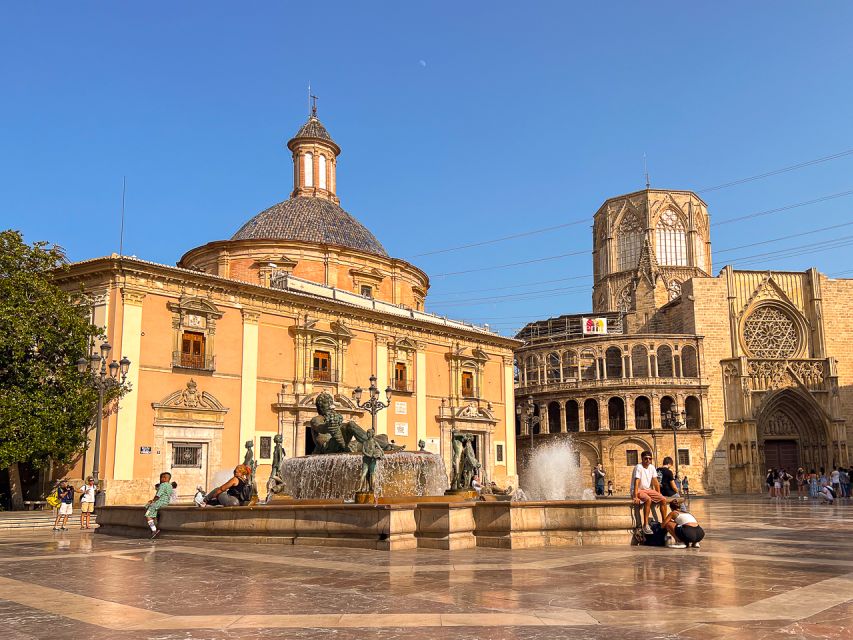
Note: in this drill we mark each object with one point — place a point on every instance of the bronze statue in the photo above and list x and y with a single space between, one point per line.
457 442
371 452
276 482
332 434
252 464
470 464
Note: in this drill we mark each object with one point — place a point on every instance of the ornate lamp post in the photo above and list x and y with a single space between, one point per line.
97 368
671 421
373 404
525 412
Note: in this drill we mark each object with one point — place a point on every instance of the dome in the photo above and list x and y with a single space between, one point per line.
313 129
309 219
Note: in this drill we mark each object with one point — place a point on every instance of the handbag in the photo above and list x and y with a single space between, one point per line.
53 500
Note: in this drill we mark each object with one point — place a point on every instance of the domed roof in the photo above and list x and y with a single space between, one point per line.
310 220
313 129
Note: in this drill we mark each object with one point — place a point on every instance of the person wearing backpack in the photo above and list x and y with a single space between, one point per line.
234 493
65 493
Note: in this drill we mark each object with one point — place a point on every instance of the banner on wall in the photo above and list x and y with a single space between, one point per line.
594 326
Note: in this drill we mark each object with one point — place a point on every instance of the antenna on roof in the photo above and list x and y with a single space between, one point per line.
121 233
646 171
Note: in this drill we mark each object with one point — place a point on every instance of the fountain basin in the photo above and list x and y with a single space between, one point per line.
336 475
407 525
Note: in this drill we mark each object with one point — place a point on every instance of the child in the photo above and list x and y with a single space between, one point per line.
174 497
198 499
65 493
610 487
160 500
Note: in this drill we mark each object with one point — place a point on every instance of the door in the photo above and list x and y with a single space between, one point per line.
467 384
192 350
782 454
400 377
188 467
322 366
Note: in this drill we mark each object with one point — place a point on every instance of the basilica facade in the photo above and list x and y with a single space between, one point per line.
730 374
235 342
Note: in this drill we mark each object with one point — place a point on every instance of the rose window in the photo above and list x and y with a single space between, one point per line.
769 332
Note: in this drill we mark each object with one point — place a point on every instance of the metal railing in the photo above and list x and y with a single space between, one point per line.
324 375
471 393
406 386
183 360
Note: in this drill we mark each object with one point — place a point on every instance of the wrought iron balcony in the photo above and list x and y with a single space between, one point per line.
324 375
404 386
181 360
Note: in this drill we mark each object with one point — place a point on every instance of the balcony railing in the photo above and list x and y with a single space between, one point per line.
616 424
576 383
404 386
324 375
183 360
471 393
642 422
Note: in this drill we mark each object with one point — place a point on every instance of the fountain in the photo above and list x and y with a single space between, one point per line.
553 473
402 500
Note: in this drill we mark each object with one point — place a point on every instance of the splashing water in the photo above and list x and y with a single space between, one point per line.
337 475
553 473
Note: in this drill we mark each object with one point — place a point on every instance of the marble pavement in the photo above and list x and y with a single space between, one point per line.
766 570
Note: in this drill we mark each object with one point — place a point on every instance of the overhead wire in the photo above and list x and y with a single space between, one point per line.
530 232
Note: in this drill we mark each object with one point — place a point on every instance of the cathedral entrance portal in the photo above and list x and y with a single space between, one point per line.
791 433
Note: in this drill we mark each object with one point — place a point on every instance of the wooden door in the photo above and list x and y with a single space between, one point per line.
322 365
467 384
192 350
400 383
782 454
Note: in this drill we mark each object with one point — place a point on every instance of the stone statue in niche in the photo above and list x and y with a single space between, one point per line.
332 434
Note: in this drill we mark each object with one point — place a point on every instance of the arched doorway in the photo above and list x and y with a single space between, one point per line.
792 433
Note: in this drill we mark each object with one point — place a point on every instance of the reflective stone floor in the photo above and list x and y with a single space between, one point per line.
765 570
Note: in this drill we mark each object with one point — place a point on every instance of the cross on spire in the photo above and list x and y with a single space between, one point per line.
314 106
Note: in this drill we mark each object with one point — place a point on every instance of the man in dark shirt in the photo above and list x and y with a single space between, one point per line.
65 492
667 479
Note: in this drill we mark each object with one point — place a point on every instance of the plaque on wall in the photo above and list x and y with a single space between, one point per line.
145 451
401 408
401 428
433 445
194 321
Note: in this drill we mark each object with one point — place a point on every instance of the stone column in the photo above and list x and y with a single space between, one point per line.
581 417
248 381
630 422
125 432
421 392
543 418
629 367
654 412
603 415
509 416
563 424
653 366
382 381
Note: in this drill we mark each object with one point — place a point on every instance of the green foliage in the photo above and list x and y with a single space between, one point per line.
46 406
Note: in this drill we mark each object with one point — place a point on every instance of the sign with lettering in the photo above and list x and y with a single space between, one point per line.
594 326
401 428
401 408
145 451
433 445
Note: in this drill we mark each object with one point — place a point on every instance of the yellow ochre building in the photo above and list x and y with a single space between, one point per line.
235 342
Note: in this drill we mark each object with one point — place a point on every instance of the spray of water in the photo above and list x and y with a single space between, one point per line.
553 473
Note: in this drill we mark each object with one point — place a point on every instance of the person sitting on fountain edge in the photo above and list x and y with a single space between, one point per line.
645 489
234 493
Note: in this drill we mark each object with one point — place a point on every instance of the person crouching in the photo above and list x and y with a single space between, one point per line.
682 526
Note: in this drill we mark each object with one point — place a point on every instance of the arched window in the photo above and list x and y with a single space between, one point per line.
613 362
666 403
639 361
553 367
588 365
531 371
322 169
665 361
308 169
570 365
693 412
642 413
689 363
572 416
553 417
671 240
616 413
590 415
630 240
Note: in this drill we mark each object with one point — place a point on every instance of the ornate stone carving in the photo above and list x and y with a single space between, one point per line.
769 332
779 424
811 373
673 289
626 299
769 374
191 398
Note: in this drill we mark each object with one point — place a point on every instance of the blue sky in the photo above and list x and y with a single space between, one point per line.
459 122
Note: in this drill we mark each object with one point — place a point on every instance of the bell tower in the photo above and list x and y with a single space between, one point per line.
314 160
645 244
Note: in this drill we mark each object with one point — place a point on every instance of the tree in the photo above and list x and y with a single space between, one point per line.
46 406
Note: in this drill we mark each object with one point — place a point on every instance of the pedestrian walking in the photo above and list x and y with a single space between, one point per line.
87 501
598 476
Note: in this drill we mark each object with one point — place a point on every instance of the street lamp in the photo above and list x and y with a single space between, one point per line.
103 376
525 412
373 404
671 421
